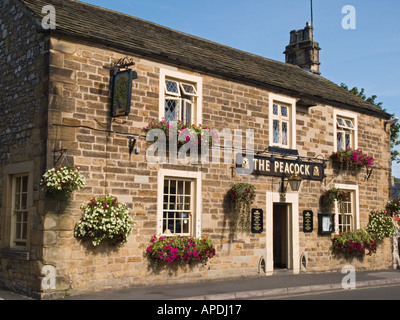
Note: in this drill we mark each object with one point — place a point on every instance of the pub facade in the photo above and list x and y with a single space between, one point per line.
270 126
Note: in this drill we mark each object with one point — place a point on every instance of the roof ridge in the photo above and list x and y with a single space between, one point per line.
146 38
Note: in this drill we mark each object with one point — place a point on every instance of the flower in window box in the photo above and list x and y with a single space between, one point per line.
353 244
352 159
104 218
63 180
181 249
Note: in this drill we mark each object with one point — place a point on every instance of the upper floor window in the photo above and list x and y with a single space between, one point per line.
346 131
282 122
180 97
281 125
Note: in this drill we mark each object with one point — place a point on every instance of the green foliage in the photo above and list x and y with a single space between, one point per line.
104 218
354 244
394 128
63 179
242 196
333 194
352 158
381 225
393 206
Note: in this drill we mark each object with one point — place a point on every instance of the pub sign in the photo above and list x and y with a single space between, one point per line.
280 167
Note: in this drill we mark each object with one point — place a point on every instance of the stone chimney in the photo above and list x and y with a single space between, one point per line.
303 51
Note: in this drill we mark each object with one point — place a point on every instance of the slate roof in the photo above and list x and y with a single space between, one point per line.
131 34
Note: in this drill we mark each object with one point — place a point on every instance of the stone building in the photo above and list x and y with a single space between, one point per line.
56 100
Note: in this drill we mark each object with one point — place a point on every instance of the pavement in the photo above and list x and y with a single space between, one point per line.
245 288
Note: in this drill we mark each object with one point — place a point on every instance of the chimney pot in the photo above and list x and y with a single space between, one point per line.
302 50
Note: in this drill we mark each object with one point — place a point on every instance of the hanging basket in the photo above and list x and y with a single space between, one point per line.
62 181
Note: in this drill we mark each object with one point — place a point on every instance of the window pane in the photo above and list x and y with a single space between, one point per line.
275 109
24 202
276 131
348 140
25 225
187 203
187 187
24 184
187 112
284 111
188 89
180 187
17 201
350 124
171 109
172 87
340 144
285 133
340 122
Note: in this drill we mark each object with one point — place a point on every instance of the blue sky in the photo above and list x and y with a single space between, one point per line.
366 57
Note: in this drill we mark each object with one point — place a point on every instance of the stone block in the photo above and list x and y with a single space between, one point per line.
62 75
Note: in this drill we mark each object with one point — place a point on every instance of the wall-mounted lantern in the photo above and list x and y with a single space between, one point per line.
294 181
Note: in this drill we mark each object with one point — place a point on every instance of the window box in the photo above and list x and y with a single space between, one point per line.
351 159
181 249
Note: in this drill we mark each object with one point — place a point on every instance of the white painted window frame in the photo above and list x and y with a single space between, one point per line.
197 182
292 134
184 78
345 115
354 189
7 219
14 232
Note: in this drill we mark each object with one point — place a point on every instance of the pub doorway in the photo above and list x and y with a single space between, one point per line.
282 236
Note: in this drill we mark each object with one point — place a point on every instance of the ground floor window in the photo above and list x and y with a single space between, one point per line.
178 211
347 213
20 211
179 203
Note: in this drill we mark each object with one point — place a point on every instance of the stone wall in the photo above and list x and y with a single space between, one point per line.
80 123
23 128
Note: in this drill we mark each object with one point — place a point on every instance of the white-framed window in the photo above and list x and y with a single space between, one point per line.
16 205
345 130
180 97
19 218
282 122
347 212
179 203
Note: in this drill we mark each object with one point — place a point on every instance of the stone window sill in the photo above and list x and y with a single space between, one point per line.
14 254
